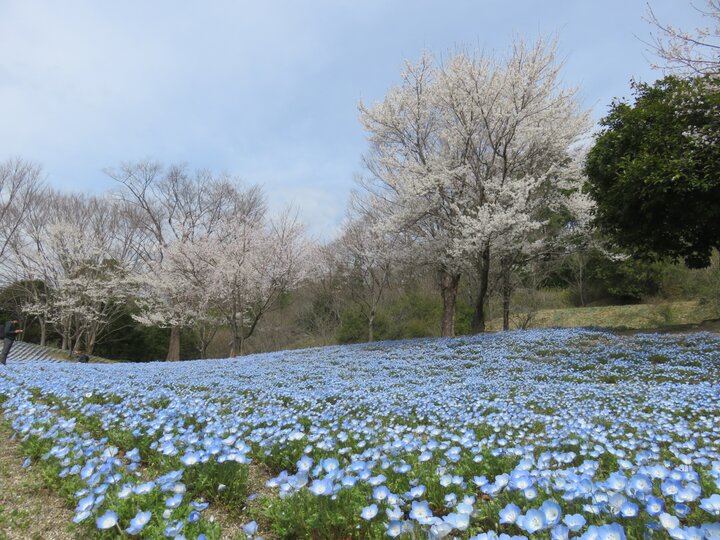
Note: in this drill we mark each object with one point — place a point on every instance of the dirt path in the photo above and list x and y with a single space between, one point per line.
28 509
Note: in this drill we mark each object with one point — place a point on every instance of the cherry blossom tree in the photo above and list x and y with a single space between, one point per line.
253 262
465 157
74 254
173 208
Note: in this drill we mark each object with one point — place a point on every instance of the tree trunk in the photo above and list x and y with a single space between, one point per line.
448 288
371 320
581 283
174 347
506 292
478 320
43 331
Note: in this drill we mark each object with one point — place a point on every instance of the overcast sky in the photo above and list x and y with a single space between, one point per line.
266 90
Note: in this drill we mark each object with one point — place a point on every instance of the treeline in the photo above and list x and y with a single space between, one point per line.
483 198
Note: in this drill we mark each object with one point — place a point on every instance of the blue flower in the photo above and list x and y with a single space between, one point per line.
574 522
138 522
250 529
711 504
509 514
552 512
532 522
369 512
107 520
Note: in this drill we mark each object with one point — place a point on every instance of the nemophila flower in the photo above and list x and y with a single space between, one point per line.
552 512
144 489
376 480
458 521
711 504
682 510
509 514
417 491
532 522
138 523
669 521
304 464
445 480
693 533
655 506
502 480
530 493
439 529
86 503
193 516
394 528
381 493
190 458
81 516
670 487
712 530
612 531
250 529
199 505
450 500
330 465
347 481
490 535
639 484
629 509
174 501
420 510
321 487
394 513
480 481
173 529
107 520
464 508
559 532
369 512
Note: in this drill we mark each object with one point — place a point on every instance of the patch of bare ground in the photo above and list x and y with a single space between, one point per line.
28 508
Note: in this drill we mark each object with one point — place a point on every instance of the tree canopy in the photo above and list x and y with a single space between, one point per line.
654 171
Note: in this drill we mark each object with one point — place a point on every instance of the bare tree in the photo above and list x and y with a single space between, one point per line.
20 184
365 260
695 52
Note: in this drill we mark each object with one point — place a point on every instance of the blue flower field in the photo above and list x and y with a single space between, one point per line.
546 434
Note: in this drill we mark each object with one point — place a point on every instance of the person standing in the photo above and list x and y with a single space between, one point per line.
11 332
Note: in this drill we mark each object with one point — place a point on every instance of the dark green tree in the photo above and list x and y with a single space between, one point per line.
654 171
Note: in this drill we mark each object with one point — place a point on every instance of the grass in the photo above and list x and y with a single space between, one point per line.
636 316
28 508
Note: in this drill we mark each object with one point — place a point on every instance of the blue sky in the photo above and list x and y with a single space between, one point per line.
266 90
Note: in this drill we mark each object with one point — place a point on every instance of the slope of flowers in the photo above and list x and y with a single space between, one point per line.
545 434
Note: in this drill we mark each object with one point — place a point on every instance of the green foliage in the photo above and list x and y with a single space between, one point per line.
413 316
226 482
306 516
626 280
655 182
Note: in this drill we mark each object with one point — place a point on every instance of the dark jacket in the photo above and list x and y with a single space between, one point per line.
11 331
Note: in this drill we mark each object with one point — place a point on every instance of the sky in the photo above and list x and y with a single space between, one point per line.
268 90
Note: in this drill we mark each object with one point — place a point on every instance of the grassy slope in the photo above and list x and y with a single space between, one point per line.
639 316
